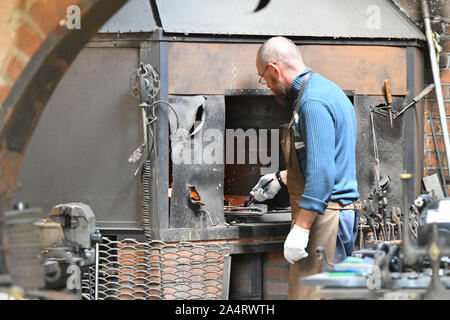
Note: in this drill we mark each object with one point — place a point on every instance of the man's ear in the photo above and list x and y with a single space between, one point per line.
275 69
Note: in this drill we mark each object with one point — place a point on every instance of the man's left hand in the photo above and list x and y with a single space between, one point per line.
295 244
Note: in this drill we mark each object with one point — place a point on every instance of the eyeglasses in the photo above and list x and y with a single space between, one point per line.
261 79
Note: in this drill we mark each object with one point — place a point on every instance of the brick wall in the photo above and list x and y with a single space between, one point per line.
259 276
440 17
24 25
431 164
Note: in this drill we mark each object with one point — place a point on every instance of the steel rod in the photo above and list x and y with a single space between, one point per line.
96 271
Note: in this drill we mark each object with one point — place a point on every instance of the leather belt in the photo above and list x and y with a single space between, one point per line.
351 206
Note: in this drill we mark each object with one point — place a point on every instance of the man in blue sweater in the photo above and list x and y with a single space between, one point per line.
319 150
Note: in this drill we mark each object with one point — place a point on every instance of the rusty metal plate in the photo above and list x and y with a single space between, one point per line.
193 169
211 68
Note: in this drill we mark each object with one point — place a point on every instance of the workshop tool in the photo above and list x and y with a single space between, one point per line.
395 268
255 210
416 99
250 199
441 167
144 83
377 219
384 109
388 92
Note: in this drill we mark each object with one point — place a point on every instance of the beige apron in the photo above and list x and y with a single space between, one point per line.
324 229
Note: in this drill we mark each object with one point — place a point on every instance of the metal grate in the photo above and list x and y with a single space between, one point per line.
129 270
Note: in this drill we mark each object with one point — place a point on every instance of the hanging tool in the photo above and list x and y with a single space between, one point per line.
441 168
250 199
377 218
388 92
144 84
416 99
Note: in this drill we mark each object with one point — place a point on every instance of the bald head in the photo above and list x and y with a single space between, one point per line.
278 61
280 50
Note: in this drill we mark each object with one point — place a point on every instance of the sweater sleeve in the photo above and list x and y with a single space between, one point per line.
317 127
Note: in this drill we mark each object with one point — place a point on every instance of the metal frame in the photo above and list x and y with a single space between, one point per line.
154 50
160 35
411 146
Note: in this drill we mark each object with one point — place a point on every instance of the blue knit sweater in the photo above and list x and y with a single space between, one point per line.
325 140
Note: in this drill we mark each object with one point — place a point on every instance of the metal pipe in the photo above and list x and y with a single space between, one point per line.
96 271
436 76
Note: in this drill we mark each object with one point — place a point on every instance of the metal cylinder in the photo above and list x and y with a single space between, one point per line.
23 248
96 271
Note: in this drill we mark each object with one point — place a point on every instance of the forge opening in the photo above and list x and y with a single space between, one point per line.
252 145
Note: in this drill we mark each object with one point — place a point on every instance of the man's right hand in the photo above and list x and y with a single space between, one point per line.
268 192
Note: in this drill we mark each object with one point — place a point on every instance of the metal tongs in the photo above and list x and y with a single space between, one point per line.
254 210
250 199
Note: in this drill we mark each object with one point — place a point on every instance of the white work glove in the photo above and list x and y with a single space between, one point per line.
295 244
268 192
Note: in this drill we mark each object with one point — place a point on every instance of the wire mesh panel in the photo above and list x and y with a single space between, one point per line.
129 270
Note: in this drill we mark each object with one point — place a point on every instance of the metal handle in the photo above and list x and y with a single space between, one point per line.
417 98
424 92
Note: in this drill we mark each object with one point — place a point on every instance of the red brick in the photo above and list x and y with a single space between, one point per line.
285 273
62 5
432 107
445 76
15 68
427 127
272 272
46 15
275 288
28 40
444 61
431 160
429 143
445 93
445 45
240 285
275 257
4 91
21 4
